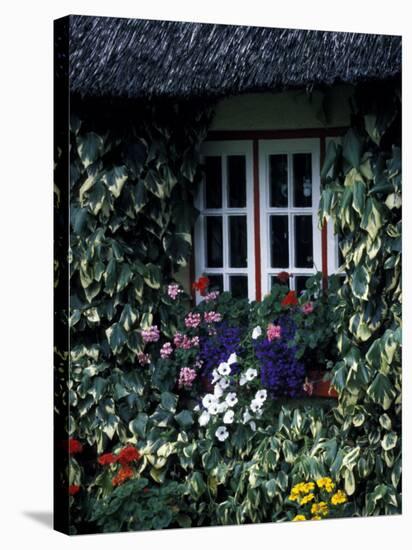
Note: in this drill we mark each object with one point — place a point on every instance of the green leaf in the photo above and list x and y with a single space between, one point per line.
389 441
115 179
372 217
329 161
271 488
352 148
110 277
128 317
360 282
197 484
350 484
125 277
385 422
184 419
359 195
152 276
178 247
89 148
382 391
116 336
139 424
140 196
169 401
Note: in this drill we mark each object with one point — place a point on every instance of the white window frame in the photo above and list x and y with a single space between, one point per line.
288 147
225 149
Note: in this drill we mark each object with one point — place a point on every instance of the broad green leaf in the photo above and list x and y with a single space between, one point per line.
389 441
352 148
359 194
372 217
184 418
360 282
128 317
125 277
89 148
116 336
152 276
178 247
169 401
382 391
138 425
329 161
115 179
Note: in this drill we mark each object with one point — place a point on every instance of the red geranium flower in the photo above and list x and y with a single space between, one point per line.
123 475
108 458
283 277
74 489
290 299
74 446
128 454
201 285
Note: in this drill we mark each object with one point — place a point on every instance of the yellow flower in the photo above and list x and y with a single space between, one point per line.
339 497
299 517
316 517
319 508
325 483
306 499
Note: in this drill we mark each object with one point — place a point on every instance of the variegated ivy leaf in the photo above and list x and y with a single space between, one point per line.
89 148
115 179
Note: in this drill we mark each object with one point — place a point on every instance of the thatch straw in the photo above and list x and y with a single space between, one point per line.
112 57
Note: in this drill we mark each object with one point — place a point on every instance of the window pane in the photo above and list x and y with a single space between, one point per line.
214 241
300 283
303 241
215 282
237 241
238 286
213 182
279 241
302 179
278 181
275 281
236 181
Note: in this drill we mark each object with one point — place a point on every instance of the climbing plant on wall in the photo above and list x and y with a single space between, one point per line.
133 175
362 196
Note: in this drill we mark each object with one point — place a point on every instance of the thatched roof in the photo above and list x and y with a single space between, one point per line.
113 57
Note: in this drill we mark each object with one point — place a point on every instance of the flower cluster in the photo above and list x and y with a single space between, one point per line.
74 446
307 308
125 457
281 372
212 317
186 377
224 407
183 341
166 350
201 285
73 490
151 334
143 358
290 299
173 291
316 499
211 296
193 320
216 348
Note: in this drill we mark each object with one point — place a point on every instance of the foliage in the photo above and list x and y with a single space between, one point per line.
362 196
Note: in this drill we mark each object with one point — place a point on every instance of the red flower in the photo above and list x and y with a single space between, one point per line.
128 454
201 285
290 299
283 277
123 475
108 458
74 446
74 489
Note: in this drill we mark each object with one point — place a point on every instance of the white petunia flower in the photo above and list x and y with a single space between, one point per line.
213 409
204 418
255 405
258 413
223 369
232 359
246 416
208 399
215 376
250 374
242 380
253 426
257 331
222 433
228 417
218 391
196 408
224 383
223 407
231 399
261 395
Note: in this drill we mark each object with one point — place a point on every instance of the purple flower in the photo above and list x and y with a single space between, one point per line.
212 317
151 334
173 290
210 296
193 320
186 377
273 332
166 350
143 358
217 347
185 342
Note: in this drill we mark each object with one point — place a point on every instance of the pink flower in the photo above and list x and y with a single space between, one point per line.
186 377
210 296
193 320
151 334
166 350
273 332
212 317
307 308
173 291
143 358
184 342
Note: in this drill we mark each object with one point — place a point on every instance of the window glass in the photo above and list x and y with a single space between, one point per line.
302 180
238 286
279 241
215 282
300 283
213 182
237 241
236 181
214 241
303 241
278 181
